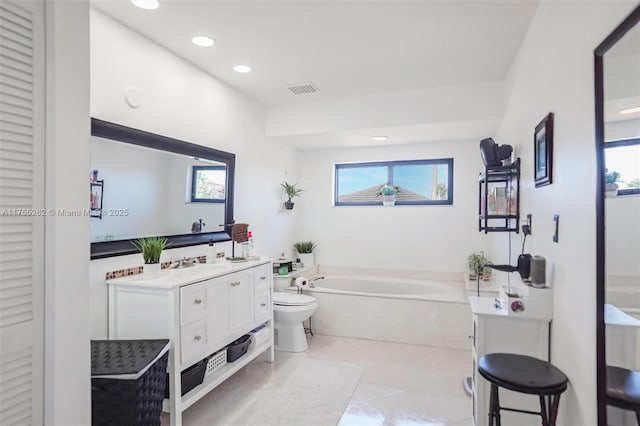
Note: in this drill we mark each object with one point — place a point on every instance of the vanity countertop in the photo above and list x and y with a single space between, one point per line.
177 277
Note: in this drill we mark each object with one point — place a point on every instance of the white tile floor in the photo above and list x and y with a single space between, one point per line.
399 385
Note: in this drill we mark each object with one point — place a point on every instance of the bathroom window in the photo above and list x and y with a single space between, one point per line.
418 182
208 184
623 156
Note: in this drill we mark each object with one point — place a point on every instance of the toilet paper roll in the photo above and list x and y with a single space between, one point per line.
300 282
538 271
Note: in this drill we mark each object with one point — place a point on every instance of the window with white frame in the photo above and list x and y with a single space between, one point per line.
418 182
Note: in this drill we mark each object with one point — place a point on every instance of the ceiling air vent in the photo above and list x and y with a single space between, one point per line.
303 89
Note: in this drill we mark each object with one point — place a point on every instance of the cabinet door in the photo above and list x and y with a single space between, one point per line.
241 284
220 326
262 279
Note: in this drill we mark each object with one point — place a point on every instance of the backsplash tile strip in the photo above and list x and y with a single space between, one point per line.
139 269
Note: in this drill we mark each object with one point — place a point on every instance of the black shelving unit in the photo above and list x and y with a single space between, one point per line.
95 209
508 218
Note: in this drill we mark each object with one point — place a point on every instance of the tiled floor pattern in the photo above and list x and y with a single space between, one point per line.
401 385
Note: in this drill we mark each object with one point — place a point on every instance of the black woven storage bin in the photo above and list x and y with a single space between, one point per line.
238 347
191 377
128 381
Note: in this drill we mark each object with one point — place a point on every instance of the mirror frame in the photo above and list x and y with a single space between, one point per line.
120 133
601 367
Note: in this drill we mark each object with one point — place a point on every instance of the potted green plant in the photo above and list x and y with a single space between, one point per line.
151 249
291 192
305 252
388 193
476 262
611 183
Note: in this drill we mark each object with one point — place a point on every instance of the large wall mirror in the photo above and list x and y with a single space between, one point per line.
617 83
144 184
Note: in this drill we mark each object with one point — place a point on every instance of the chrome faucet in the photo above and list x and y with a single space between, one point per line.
312 281
197 226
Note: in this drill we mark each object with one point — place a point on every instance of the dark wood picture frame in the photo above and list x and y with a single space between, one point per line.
543 152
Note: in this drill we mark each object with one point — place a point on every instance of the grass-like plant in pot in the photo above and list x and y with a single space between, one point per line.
476 262
291 192
151 249
305 251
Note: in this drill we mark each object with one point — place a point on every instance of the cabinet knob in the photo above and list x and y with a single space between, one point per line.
197 337
235 283
197 301
470 337
263 304
263 278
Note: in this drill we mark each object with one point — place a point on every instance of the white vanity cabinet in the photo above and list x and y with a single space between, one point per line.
498 329
201 310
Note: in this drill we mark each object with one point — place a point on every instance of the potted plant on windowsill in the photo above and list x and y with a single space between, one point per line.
151 249
291 192
388 193
305 251
611 183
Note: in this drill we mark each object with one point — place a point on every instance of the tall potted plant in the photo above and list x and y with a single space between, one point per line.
291 192
305 251
151 249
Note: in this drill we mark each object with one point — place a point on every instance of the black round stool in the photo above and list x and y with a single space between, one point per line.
623 389
524 374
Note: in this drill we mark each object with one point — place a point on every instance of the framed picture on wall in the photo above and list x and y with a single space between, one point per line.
543 151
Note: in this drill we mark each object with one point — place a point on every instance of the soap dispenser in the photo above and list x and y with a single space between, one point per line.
211 252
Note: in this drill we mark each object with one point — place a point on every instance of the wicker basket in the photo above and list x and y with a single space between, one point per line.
122 392
216 361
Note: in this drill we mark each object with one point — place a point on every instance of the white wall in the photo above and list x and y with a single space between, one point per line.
431 238
622 239
554 72
67 333
181 101
134 179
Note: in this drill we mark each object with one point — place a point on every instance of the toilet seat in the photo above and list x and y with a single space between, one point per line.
292 299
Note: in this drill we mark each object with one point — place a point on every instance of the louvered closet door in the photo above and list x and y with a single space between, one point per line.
21 219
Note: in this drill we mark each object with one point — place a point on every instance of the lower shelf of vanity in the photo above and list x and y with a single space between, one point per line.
215 379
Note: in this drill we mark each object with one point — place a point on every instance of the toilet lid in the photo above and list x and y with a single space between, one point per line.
292 299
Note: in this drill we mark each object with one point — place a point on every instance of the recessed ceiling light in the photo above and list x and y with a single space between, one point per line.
630 110
203 41
146 4
380 138
242 68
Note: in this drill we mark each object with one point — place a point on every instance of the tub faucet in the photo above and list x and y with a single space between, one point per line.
312 281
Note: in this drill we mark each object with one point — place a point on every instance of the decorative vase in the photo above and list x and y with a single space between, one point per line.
388 200
306 259
152 270
288 205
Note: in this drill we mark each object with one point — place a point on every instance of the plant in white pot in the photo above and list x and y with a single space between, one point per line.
291 192
305 251
151 249
388 193
611 183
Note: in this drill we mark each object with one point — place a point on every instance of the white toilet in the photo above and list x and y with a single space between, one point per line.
289 310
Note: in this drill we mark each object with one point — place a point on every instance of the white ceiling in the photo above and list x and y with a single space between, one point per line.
347 48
